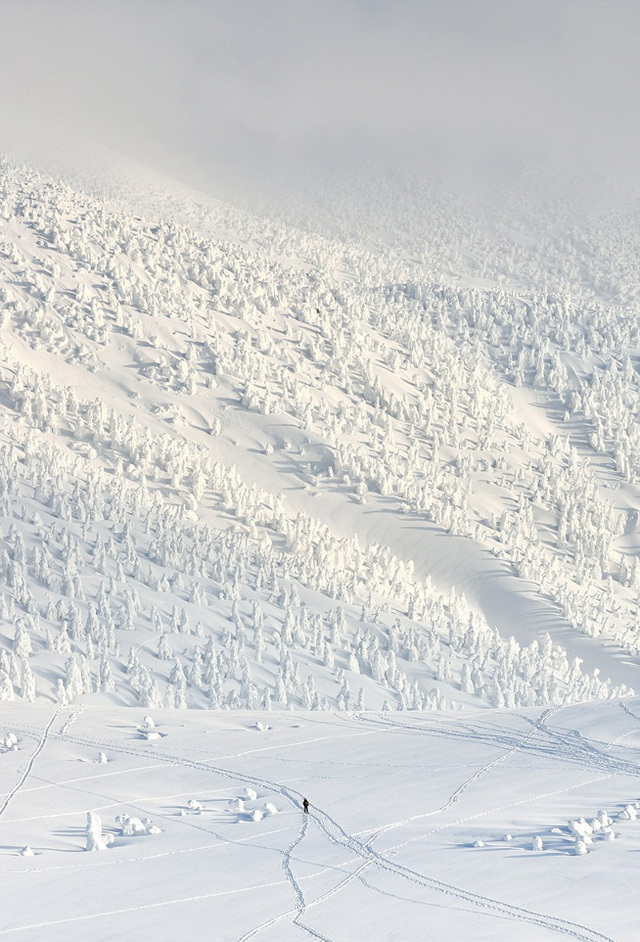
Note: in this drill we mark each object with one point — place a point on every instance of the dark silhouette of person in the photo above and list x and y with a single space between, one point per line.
305 805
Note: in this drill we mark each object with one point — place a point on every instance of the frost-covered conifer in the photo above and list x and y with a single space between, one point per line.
22 645
105 676
180 697
6 687
73 685
28 688
165 652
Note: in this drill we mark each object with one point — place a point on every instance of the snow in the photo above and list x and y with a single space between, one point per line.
96 839
292 514
406 826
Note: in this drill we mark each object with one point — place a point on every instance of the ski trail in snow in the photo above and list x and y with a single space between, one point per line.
573 748
453 798
32 758
582 750
73 716
292 745
488 811
301 904
553 923
312 932
300 897
336 833
451 730
623 706
316 902
100 776
125 861
286 866
138 908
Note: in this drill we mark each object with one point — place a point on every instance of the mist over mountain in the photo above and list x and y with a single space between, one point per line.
243 96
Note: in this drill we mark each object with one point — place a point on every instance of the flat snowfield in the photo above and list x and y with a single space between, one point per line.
421 825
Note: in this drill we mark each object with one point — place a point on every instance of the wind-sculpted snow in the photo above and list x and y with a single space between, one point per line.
263 469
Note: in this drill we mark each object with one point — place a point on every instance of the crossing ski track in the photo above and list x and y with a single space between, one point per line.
70 720
577 749
335 833
30 762
583 750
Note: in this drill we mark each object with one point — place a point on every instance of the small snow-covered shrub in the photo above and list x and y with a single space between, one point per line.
9 743
130 827
95 838
581 830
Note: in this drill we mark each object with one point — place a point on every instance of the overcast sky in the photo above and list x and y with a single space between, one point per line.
199 86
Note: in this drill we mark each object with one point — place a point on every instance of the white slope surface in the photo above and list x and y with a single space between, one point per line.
221 429
241 463
386 853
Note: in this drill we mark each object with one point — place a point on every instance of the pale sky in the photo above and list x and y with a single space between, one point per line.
196 86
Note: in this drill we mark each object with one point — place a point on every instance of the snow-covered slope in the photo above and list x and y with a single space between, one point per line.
244 465
303 478
500 826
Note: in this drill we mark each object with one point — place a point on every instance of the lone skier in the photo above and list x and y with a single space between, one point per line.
305 805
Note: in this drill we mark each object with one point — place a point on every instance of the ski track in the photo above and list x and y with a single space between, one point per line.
461 788
623 706
583 751
89 778
578 750
139 908
224 843
316 902
286 866
298 892
553 923
300 742
73 716
509 805
334 832
453 798
455 730
32 758
312 932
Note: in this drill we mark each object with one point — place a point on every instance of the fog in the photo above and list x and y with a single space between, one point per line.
229 94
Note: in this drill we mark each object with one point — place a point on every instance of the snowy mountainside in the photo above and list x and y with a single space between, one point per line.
272 469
